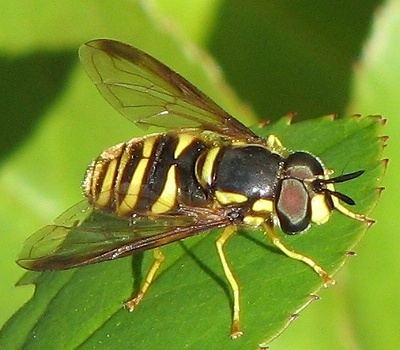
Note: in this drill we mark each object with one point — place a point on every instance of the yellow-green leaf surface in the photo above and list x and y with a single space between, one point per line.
55 123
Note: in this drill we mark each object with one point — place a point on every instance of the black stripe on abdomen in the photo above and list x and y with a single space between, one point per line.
159 162
191 193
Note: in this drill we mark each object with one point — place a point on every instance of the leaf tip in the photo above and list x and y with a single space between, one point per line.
378 118
379 190
383 140
289 117
369 222
314 297
28 278
350 253
384 164
263 123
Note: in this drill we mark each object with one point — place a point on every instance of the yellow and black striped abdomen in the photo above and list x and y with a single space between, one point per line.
149 175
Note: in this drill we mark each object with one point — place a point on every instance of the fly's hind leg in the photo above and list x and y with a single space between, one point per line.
276 241
159 258
235 328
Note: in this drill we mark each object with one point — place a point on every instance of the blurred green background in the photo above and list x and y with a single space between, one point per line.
310 57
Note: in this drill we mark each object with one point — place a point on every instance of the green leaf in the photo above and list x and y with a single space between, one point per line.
191 293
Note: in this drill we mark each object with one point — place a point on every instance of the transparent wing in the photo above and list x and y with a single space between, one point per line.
84 236
149 93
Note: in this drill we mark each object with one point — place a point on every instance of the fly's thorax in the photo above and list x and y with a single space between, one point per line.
243 175
148 175
238 173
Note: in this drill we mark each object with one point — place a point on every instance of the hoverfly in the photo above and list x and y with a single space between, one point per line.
206 171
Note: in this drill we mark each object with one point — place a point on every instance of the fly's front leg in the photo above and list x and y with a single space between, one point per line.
159 258
235 328
276 241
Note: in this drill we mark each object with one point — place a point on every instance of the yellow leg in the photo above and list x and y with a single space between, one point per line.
298 256
349 213
274 144
159 258
235 329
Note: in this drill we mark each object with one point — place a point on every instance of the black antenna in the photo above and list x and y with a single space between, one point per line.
341 178
342 197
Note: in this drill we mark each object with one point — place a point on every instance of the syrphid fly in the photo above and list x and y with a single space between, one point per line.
205 171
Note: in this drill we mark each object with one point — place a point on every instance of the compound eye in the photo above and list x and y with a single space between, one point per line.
303 165
293 206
